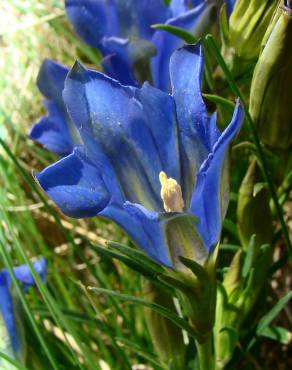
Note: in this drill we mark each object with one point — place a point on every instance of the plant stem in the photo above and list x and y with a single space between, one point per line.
206 354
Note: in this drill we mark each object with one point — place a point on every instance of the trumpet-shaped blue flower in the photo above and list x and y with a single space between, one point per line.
121 30
11 341
56 131
154 163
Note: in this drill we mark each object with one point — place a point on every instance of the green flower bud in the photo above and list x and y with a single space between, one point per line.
271 92
244 32
167 337
248 24
253 211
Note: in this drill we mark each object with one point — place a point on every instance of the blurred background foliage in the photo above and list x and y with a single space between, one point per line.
67 326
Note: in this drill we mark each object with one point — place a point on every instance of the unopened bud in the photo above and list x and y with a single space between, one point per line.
253 212
166 336
248 23
271 92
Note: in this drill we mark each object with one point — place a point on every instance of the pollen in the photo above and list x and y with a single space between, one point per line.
170 194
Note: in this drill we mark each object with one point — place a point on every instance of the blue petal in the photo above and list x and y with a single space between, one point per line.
178 7
230 6
56 132
166 44
151 239
50 81
150 12
110 117
208 202
118 69
197 2
167 236
92 20
186 71
23 273
75 185
7 304
52 131
101 24
160 112
7 310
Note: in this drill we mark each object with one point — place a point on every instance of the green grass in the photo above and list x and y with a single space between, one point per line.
70 327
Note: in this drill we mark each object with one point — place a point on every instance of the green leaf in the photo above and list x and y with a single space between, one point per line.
232 334
135 262
153 306
231 227
222 102
136 255
197 269
14 364
259 186
176 31
229 247
276 333
250 256
224 27
133 347
269 317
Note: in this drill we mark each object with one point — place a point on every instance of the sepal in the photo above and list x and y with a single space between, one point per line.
182 239
196 289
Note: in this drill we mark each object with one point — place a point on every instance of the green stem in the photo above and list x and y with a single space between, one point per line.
206 354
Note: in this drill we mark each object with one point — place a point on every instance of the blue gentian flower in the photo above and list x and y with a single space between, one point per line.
154 163
121 30
56 131
11 335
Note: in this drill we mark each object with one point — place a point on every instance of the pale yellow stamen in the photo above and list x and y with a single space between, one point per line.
170 194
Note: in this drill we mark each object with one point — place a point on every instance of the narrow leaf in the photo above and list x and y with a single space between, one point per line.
176 31
222 102
250 256
269 317
153 306
276 333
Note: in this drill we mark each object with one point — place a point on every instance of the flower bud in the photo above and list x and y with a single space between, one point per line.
247 26
166 336
271 93
253 211
248 23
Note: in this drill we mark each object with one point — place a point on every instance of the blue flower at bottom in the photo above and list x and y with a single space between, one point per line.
12 344
154 163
